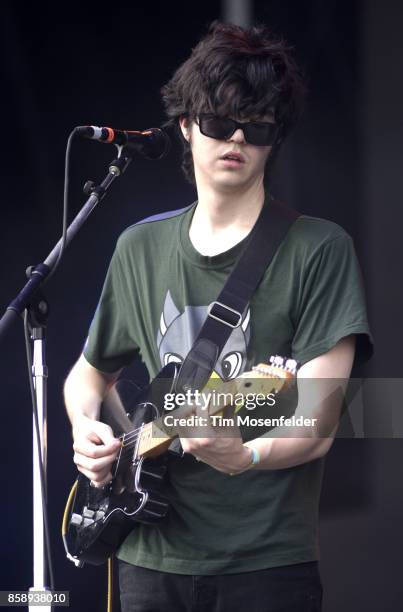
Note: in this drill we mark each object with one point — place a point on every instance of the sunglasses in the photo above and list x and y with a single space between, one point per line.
261 134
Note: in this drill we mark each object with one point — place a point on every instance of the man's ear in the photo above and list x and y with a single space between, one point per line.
184 126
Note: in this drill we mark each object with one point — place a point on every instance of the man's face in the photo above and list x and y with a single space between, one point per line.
215 169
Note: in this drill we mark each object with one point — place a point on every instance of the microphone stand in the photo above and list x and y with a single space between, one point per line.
31 298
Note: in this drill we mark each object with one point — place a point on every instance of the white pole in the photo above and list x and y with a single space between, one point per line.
40 375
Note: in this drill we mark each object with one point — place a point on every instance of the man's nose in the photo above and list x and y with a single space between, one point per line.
237 136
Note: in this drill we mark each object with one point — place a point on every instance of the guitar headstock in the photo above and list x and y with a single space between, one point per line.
277 375
278 367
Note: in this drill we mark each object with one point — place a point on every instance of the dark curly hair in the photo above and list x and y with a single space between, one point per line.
235 72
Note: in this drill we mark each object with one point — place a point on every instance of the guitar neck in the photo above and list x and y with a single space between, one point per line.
156 437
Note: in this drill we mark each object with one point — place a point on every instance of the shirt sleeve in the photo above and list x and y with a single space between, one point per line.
110 345
332 303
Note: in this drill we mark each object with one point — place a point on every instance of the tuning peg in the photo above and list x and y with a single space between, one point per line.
292 366
277 361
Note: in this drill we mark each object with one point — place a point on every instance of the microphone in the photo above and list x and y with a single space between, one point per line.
152 143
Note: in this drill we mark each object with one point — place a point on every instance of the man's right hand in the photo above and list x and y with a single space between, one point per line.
95 449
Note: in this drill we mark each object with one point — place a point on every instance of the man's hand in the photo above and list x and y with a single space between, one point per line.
227 455
94 444
95 449
284 447
219 447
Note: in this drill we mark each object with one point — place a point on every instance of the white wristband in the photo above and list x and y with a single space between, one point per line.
255 456
255 459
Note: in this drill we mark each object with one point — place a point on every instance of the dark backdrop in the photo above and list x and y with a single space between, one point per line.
65 65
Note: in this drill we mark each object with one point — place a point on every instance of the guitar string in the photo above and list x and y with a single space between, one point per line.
132 434
133 437
130 440
125 455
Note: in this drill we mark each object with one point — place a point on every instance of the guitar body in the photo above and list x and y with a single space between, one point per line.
98 519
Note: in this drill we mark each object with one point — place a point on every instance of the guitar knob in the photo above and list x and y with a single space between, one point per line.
76 519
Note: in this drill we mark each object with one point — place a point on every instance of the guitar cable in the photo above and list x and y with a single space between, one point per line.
74 488
110 584
67 513
65 203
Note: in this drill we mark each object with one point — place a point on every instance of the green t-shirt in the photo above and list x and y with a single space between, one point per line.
152 307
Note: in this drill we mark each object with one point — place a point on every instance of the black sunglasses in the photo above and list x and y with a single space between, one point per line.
261 134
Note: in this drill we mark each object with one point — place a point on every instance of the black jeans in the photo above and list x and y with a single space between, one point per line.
291 588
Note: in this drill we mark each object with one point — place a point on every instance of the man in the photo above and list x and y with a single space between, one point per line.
242 528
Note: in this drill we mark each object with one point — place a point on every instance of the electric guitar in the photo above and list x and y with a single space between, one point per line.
98 519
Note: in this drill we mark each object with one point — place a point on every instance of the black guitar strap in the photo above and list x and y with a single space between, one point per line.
225 314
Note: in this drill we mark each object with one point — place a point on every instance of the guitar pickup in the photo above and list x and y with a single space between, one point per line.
87 513
76 519
84 520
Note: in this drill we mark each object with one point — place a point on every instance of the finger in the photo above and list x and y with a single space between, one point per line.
95 451
196 446
105 433
95 465
95 431
203 428
226 424
187 444
98 433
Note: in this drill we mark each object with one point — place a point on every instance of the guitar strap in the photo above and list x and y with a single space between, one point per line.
226 312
